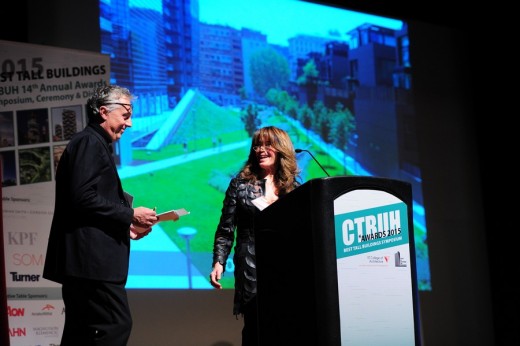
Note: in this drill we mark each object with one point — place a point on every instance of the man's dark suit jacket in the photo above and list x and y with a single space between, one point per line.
89 237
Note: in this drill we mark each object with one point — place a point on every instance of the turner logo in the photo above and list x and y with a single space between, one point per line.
24 277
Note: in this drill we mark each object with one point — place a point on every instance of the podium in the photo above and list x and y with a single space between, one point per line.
336 265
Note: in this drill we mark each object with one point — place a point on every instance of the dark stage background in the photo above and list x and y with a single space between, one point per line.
464 137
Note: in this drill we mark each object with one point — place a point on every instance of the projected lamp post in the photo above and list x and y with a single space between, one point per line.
353 142
187 233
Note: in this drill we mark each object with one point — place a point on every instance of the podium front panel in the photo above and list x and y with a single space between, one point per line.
336 265
375 289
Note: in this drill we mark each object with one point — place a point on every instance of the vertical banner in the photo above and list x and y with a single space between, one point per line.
43 92
374 274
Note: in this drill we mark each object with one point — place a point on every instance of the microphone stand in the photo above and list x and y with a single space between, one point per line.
319 164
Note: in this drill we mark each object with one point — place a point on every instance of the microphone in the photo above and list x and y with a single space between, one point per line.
319 164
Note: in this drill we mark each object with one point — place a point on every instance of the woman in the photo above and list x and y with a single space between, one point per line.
270 172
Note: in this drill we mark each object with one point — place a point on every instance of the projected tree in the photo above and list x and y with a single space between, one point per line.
268 70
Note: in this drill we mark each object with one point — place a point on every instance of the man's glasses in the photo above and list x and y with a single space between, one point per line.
124 105
258 148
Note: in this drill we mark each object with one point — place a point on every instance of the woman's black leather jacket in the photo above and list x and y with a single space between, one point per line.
239 213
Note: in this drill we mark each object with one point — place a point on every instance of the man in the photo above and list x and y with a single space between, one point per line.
89 242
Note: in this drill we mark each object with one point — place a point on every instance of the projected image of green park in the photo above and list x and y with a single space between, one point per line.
193 171
340 82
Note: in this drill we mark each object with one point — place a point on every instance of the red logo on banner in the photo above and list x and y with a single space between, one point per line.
15 312
48 307
28 259
15 332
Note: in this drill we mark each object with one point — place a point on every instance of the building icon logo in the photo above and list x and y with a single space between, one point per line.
399 261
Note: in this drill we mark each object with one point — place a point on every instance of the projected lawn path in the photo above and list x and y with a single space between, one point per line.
156 261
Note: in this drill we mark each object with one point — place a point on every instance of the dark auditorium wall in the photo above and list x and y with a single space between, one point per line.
469 303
